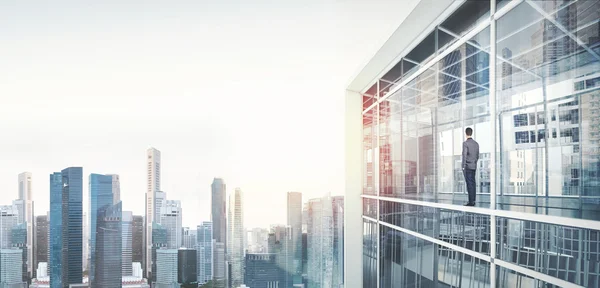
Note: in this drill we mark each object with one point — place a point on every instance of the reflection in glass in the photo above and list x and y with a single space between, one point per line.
566 253
369 254
408 261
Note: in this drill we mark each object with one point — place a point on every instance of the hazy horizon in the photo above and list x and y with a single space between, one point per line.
250 92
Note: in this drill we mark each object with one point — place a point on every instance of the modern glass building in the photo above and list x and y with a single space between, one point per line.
204 247
41 240
187 266
525 76
294 220
101 198
55 269
108 247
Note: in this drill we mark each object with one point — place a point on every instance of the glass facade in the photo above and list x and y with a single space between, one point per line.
525 76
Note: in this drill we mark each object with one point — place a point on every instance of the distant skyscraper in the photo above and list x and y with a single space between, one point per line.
187 266
116 188
55 252
25 194
41 240
108 247
153 180
137 247
9 218
325 242
126 243
204 247
258 240
11 268
166 267
159 239
294 221
66 195
19 241
101 199
263 270
219 221
219 263
280 243
170 219
238 231
159 201
86 242
189 238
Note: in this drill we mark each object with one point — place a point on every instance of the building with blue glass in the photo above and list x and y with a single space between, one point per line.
66 195
101 198
204 248
108 245
525 76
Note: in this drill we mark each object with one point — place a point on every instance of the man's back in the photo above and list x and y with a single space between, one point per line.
470 154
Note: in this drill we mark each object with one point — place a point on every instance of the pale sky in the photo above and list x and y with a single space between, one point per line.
251 91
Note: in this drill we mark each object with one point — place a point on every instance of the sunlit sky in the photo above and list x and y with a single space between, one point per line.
251 91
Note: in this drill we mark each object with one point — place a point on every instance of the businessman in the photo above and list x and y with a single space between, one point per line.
470 156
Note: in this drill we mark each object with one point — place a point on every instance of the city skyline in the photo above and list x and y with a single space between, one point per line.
195 149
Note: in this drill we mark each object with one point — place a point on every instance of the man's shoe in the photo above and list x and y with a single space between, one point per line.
470 204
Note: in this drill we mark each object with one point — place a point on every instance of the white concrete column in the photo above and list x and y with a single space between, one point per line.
353 188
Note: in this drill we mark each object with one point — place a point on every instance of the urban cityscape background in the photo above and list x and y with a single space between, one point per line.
108 247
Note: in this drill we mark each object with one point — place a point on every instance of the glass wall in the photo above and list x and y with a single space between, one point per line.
535 114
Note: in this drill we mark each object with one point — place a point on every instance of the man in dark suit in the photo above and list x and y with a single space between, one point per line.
470 156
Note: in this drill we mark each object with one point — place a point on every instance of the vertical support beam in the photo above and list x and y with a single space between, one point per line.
353 187
376 173
495 132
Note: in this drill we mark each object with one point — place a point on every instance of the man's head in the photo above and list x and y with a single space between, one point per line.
469 132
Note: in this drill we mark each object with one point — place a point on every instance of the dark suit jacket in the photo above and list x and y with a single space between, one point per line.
470 154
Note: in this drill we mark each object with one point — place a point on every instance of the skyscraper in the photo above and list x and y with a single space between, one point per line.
11 268
126 243
294 221
41 240
108 247
219 264
85 254
137 238
19 241
205 252
337 203
101 199
219 221
187 266
9 218
321 233
159 239
170 219
55 240
237 253
263 270
25 194
166 268
66 195
189 238
153 180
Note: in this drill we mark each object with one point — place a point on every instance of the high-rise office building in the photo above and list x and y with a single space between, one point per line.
19 241
85 253
219 264
66 195
153 186
170 219
159 239
204 247
41 240
55 236
137 238
159 201
237 249
126 243
325 242
524 76
219 221
108 242
11 268
9 218
101 198
166 268
263 270
26 195
294 221
187 267
189 238
280 243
